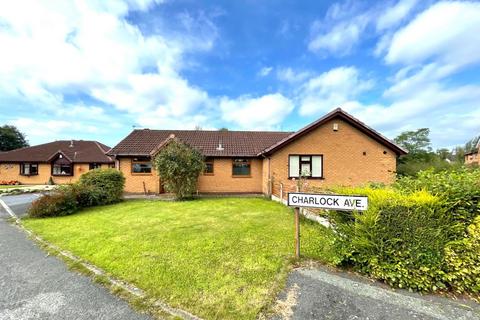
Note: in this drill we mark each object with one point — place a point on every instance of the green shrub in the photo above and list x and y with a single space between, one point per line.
99 187
96 187
463 261
413 233
399 239
60 203
459 190
179 165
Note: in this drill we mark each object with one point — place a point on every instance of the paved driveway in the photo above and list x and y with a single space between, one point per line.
36 286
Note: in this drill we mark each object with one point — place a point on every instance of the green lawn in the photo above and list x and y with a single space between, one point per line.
10 186
223 258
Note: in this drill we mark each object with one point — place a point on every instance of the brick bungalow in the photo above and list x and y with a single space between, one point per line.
472 157
64 161
337 149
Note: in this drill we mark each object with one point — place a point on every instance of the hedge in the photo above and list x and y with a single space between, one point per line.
96 187
100 187
61 202
422 234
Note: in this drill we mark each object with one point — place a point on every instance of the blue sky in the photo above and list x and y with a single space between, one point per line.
95 69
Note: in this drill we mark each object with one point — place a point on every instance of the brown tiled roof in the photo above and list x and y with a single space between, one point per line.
337 113
77 151
234 143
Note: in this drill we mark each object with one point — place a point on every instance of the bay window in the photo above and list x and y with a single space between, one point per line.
62 167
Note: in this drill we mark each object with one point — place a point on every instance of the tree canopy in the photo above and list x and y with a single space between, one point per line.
416 141
421 155
11 138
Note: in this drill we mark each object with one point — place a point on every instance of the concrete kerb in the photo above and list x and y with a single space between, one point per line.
130 288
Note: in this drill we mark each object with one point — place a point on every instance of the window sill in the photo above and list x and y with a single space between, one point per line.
28 175
249 176
209 174
62 175
307 178
141 174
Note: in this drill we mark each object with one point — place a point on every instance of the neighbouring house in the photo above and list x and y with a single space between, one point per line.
63 161
337 149
472 157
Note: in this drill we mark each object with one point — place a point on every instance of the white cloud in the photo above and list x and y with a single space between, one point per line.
331 89
265 71
264 112
62 129
338 40
448 32
410 80
451 113
392 16
54 50
349 22
292 76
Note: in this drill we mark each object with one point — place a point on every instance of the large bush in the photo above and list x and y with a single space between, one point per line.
62 202
96 187
399 239
459 189
179 166
463 260
422 233
100 186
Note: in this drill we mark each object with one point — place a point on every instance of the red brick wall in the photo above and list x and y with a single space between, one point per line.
343 160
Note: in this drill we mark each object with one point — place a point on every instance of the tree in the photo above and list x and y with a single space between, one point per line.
223 129
416 142
444 153
11 138
458 154
420 155
179 166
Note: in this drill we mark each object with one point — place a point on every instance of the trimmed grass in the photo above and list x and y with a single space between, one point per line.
223 258
10 186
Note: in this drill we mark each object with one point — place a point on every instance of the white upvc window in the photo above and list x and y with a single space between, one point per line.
308 166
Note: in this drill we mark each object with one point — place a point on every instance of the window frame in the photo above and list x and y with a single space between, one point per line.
211 161
321 177
22 169
143 160
94 165
62 175
249 162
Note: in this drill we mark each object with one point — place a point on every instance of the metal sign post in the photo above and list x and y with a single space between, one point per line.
322 201
297 232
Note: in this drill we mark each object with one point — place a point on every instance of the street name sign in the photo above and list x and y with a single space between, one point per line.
327 201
